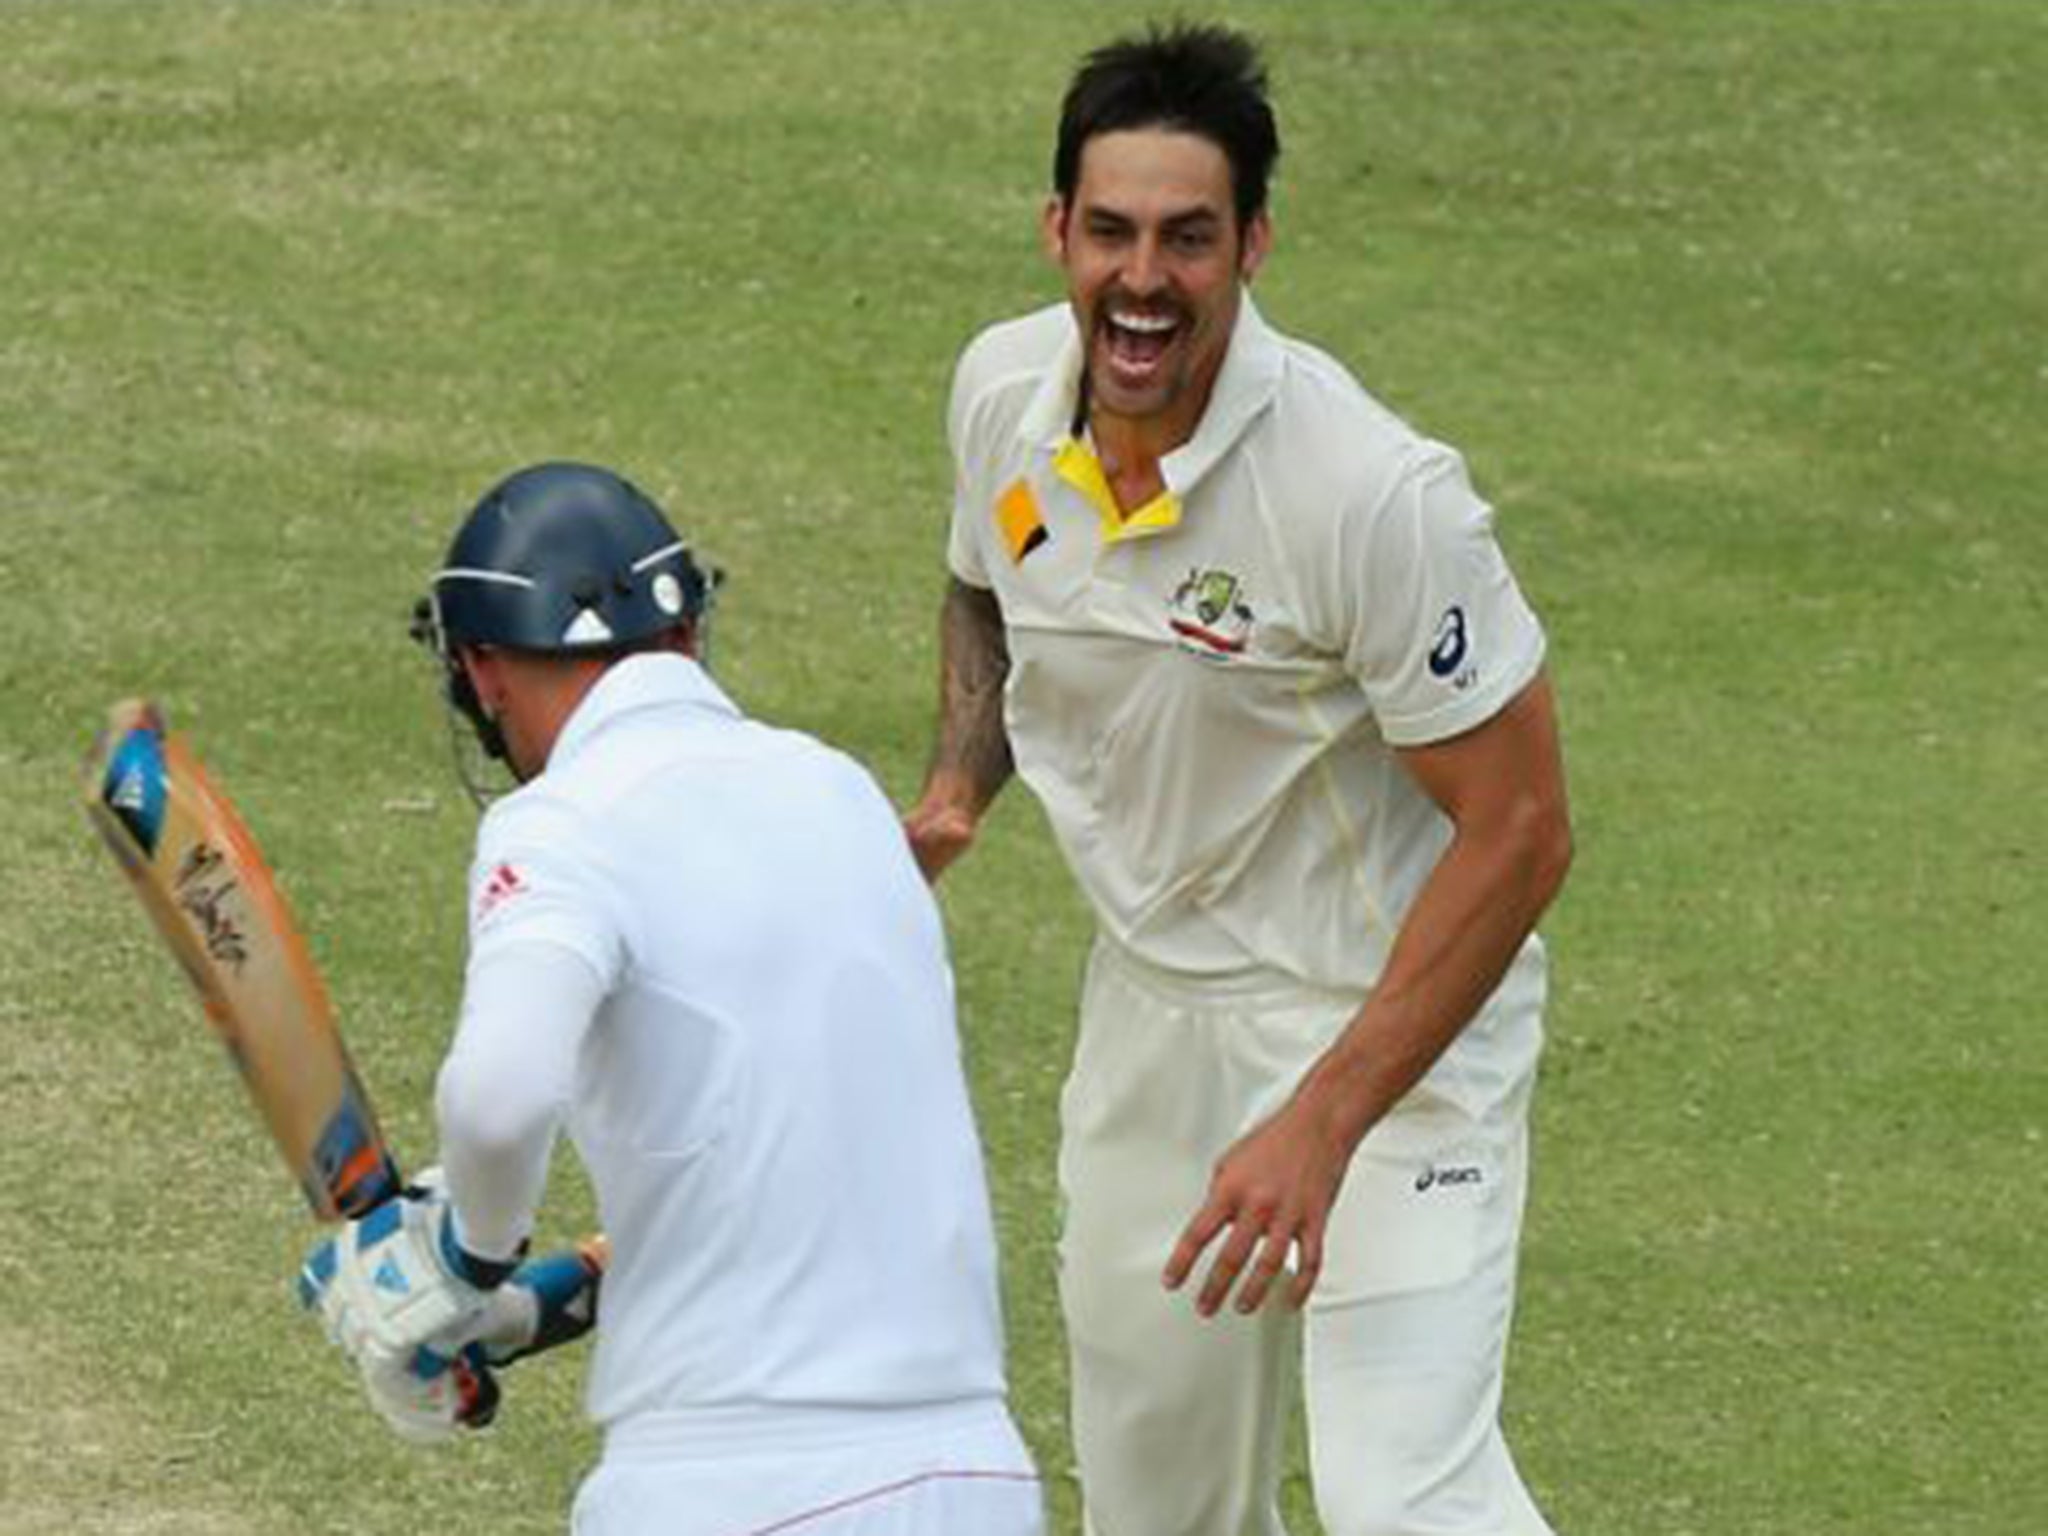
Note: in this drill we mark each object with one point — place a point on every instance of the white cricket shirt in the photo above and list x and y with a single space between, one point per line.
769 1097
1206 694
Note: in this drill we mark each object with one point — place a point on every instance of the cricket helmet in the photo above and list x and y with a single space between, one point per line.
566 558
559 559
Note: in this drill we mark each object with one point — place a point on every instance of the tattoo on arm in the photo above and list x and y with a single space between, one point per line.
974 661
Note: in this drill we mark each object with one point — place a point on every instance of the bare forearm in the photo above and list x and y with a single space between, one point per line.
971 752
971 755
1274 1188
1501 785
1503 789
1467 924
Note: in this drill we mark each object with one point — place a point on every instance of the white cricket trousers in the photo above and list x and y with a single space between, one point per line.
1177 1420
947 1470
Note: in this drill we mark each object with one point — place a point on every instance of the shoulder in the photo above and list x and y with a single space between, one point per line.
1002 366
1329 420
1335 456
820 772
536 815
533 861
1021 346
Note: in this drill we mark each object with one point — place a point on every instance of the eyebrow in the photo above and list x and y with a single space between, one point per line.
1192 218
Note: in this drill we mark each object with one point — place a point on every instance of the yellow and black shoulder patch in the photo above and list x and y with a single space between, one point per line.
1019 520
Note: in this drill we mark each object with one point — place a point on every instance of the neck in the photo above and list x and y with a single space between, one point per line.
547 691
1129 450
1130 447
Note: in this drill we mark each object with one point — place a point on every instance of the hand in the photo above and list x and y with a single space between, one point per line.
549 1301
939 833
395 1280
1272 1192
429 1398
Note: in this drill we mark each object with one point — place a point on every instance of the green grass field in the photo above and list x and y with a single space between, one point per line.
1740 312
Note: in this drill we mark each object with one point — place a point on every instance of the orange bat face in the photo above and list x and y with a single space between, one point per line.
206 886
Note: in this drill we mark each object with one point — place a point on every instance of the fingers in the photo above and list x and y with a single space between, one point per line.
934 858
1263 1239
476 1390
1206 1223
1230 1261
420 1398
937 839
1272 1263
1308 1264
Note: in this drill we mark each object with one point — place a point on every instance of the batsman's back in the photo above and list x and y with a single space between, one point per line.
772 1102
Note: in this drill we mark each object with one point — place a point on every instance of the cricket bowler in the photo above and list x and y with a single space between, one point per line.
1250 639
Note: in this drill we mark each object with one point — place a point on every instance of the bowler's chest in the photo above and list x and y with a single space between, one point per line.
1212 584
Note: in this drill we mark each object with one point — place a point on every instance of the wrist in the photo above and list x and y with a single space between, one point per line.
1337 1099
473 1269
951 795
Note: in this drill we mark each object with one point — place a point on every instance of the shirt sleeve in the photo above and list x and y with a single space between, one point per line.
534 878
964 553
507 1082
545 949
1436 630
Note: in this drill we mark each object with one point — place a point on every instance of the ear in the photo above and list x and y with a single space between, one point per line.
1258 244
486 677
1052 228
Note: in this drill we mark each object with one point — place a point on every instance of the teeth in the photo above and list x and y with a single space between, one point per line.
1144 325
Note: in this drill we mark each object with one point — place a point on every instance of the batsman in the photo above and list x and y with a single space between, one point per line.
1250 639
698 945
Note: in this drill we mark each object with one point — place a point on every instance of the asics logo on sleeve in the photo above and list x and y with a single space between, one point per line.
1448 649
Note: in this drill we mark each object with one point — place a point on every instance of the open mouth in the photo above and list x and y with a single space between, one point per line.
1138 342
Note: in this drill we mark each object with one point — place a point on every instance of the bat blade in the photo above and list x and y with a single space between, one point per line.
208 890
205 884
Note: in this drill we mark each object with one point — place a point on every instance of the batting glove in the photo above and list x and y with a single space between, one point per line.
432 1396
547 1302
396 1281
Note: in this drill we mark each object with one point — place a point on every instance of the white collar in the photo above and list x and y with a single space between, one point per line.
650 680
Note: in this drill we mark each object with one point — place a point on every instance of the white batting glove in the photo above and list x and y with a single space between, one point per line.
546 1303
432 1397
394 1282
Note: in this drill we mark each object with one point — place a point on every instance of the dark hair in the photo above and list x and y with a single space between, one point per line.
1206 80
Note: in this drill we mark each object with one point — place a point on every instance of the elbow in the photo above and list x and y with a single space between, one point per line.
1547 850
1533 843
483 1116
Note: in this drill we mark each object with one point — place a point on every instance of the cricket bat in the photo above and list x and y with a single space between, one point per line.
205 885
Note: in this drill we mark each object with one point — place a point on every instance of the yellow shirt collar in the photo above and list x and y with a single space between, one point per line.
1075 462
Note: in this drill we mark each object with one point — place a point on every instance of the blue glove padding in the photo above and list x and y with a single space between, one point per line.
395 1281
548 1301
